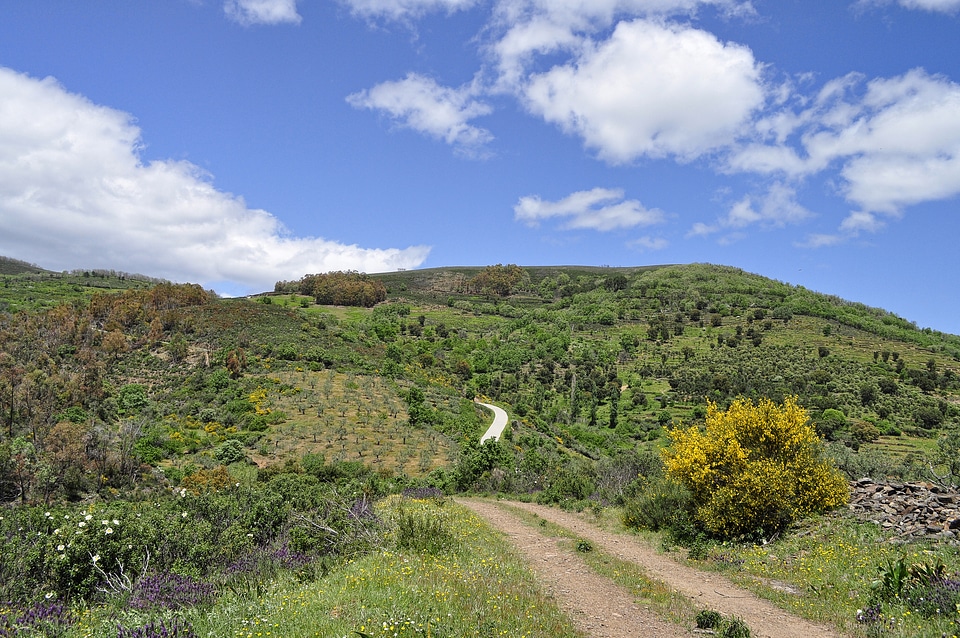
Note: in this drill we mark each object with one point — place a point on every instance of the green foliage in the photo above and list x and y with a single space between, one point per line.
132 398
230 452
73 550
422 530
663 504
754 468
708 619
733 628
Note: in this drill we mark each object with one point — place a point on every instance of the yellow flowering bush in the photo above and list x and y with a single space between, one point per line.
754 468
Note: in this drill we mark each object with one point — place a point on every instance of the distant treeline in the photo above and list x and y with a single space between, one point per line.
349 288
11 266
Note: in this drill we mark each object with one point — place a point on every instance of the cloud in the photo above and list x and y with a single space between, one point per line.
527 28
858 222
701 229
400 9
648 244
644 92
419 103
74 193
248 12
937 6
896 141
821 241
601 209
776 208
944 6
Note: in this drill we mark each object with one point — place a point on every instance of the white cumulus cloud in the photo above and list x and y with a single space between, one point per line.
75 193
249 12
601 209
647 90
419 103
896 141
526 29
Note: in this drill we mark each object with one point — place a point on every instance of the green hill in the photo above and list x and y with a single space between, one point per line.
242 441
591 363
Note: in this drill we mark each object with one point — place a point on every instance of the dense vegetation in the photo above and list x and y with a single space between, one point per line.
119 393
338 288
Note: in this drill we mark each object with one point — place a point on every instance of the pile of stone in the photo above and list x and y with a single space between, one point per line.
908 509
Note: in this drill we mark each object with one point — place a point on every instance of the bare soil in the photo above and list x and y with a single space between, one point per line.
599 607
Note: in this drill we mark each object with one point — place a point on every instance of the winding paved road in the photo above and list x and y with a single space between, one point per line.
499 422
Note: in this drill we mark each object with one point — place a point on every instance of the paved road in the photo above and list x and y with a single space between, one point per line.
499 422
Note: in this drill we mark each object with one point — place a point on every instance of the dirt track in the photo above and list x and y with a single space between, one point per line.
603 609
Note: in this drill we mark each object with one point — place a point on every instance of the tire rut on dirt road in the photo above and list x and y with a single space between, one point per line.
566 574
597 606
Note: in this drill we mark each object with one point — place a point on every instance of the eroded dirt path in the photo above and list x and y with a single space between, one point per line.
603 609
598 607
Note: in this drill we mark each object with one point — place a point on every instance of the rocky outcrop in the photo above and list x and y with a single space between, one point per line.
908 509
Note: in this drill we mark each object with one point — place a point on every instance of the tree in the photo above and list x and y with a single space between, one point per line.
615 282
115 343
498 280
754 469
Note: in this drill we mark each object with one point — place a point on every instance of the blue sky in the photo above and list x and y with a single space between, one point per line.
235 143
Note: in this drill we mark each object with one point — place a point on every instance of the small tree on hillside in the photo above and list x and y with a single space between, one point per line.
753 469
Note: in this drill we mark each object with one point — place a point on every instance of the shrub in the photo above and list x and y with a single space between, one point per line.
230 451
734 628
422 530
754 469
663 504
46 618
174 628
708 619
168 590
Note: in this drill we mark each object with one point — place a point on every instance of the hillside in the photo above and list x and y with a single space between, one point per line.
207 435
592 363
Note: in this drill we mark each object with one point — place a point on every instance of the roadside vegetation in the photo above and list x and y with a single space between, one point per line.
128 399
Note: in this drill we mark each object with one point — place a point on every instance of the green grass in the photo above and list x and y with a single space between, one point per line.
476 587
32 291
823 570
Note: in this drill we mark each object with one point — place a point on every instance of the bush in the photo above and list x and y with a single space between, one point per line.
708 619
663 505
230 451
734 628
422 530
754 469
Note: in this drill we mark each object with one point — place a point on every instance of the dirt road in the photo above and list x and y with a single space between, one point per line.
603 609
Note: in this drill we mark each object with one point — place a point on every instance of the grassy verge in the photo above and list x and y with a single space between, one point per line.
444 575
829 569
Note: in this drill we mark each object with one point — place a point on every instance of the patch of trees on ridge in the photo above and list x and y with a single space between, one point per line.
498 280
349 288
